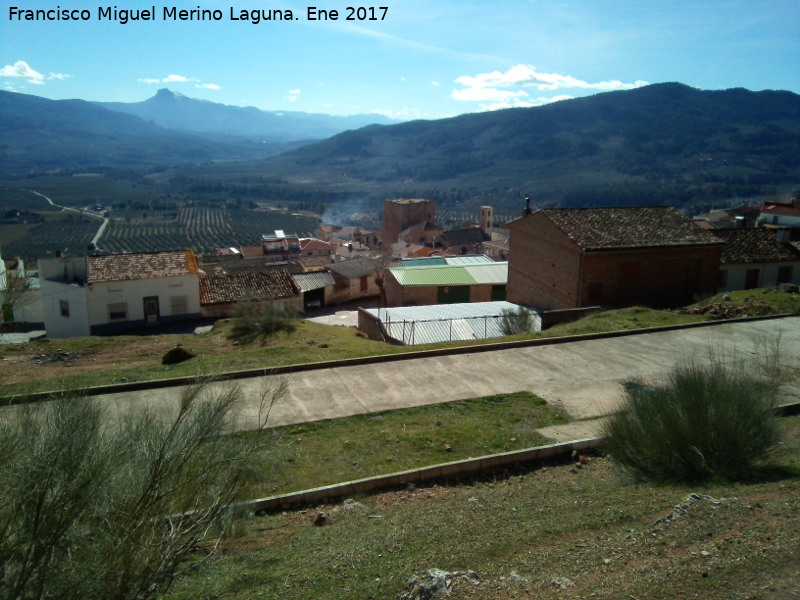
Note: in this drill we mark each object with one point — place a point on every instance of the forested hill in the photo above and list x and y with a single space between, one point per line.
175 111
660 143
37 134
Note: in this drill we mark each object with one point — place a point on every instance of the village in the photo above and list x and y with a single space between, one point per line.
415 283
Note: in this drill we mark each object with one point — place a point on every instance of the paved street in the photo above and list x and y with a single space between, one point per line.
583 378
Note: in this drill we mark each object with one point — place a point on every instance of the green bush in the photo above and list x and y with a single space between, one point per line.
261 319
517 321
708 420
86 497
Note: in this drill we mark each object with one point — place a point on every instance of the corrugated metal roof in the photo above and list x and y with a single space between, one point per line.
492 273
414 325
427 261
436 275
463 261
456 261
313 281
485 273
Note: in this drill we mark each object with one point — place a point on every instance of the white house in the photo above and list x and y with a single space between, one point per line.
97 295
786 214
753 258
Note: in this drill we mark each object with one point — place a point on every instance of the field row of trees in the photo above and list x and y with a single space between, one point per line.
42 241
201 228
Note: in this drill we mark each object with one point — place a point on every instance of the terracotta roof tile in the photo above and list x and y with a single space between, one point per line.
779 208
629 227
122 267
358 267
231 287
755 246
313 244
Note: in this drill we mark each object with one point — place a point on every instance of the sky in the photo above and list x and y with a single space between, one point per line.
419 59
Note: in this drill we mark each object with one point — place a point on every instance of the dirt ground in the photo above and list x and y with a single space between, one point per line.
49 359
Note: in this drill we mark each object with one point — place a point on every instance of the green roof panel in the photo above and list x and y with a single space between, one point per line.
437 275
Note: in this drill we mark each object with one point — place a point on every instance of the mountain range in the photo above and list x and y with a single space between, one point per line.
37 134
662 143
172 110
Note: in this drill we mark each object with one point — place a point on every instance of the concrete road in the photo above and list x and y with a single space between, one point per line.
583 378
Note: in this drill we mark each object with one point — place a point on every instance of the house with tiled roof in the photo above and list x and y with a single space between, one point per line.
578 257
786 214
353 280
97 295
757 257
220 293
464 241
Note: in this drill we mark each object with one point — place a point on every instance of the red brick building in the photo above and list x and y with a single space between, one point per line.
570 258
399 215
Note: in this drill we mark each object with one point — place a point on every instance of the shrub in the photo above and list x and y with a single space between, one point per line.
521 320
92 507
712 419
261 319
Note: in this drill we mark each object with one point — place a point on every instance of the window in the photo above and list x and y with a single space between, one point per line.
364 284
63 306
722 278
118 311
179 305
785 274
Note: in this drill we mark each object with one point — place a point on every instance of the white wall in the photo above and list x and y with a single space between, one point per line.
56 324
65 279
133 292
767 275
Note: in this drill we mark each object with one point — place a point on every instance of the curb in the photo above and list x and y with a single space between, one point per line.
456 469
349 362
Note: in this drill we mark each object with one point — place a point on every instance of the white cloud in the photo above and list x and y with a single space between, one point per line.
59 76
489 87
173 78
478 94
21 70
293 96
179 79
403 114
436 83
294 92
528 76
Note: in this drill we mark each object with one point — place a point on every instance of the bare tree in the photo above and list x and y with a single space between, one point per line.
382 264
14 294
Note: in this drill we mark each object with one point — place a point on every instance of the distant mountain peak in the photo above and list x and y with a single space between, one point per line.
168 94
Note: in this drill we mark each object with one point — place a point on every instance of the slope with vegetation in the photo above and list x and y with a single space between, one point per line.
664 143
47 365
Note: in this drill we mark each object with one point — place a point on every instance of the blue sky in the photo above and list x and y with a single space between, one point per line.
425 59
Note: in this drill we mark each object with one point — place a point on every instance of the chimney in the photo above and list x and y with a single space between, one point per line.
527 206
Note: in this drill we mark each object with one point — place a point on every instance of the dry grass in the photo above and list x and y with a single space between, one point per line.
555 532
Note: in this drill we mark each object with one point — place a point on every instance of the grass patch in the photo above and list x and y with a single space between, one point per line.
121 359
320 453
635 317
552 533
754 303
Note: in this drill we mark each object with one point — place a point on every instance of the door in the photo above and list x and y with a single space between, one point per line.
151 310
751 279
